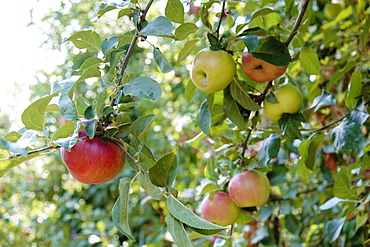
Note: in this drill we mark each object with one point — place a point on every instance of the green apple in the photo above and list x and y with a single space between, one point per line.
249 189
290 100
212 71
260 70
218 208
332 10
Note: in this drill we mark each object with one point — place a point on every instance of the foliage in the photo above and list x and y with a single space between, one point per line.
129 79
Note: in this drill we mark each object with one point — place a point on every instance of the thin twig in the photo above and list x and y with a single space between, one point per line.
298 22
220 20
136 162
30 152
329 125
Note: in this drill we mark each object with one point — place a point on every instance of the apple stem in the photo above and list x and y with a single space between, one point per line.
298 22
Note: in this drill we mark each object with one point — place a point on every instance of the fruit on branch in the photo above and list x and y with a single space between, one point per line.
218 208
249 189
260 70
331 10
94 161
212 71
290 100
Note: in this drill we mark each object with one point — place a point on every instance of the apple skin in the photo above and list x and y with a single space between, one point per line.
212 71
290 101
218 208
249 189
332 10
260 70
94 161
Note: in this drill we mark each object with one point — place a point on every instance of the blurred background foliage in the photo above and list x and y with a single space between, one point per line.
41 205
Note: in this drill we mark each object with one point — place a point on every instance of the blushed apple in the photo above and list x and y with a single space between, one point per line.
260 70
94 161
290 100
218 208
212 71
249 189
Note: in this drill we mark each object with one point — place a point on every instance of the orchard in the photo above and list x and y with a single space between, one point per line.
194 123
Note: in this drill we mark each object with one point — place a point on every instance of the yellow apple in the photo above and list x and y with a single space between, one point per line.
212 71
290 100
260 70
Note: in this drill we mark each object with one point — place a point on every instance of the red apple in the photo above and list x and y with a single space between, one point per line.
94 161
249 189
260 70
218 208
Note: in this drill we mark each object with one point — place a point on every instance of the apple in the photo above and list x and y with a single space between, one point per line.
332 10
290 100
212 71
218 208
260 70
249 189
94 161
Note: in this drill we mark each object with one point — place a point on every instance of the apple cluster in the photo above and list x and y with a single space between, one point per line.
246 189
94 161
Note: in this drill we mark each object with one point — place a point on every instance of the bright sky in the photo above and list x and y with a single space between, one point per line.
21 56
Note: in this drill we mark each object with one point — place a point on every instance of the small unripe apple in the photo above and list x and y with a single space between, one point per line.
218 208
249 189
94 161
212 71
332 10
290 100
260 70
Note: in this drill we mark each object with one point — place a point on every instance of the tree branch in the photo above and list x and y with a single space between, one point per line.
30 152
298 22
220 20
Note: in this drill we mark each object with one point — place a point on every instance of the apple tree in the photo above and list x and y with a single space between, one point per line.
127 81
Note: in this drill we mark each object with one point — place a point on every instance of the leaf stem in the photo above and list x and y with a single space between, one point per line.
298 22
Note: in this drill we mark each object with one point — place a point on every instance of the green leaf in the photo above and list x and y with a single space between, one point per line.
175 11
331 203
190 90
90 62
347 136
144 88
33 116
272 51
149 187
188 217
89 73
324 99
209 171
177 231
86 39
161 173
160 26
289 125
310 61
204 118
210 187
187 50
67 107
251 42
109 44
359 116
184 30
232 110
269 150
239 93
217 115
342 187
64 131
308 149
260 13
140 126
354 89
334 227
13 147
339 74
124 217
70 141
105 7
162 61
292 223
